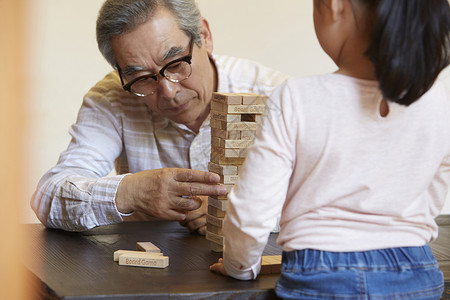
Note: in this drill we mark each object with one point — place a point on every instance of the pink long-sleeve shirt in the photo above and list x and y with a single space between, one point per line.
344 177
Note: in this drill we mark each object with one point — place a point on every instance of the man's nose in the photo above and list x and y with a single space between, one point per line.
167 88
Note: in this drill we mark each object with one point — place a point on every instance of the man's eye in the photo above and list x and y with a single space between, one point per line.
174 67
144 80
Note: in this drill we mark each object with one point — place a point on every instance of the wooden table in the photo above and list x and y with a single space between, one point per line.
69 265
81 266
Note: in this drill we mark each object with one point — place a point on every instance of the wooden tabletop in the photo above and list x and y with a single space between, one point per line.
81 266
70 265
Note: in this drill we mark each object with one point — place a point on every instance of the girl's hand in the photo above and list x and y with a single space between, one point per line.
218 267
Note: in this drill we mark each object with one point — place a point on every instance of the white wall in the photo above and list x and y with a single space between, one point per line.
64 62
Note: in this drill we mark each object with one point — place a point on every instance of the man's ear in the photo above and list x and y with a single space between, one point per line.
206 35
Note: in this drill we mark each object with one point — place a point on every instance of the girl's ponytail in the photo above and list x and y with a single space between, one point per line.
409 45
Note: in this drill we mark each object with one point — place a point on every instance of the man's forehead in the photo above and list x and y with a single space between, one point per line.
165 56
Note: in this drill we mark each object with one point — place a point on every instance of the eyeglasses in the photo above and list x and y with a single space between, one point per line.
175 71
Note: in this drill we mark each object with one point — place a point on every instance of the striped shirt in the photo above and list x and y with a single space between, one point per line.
115 129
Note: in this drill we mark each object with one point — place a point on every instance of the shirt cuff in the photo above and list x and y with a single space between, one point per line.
235 270
105 192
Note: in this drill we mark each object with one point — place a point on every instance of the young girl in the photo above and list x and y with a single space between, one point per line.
358 161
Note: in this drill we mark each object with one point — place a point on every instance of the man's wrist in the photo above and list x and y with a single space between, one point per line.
123 203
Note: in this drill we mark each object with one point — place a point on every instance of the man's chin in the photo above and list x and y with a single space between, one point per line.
183 118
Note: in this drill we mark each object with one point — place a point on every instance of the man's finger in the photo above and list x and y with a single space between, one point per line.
185 203
200 189
202 230
189 175
196 224
174 215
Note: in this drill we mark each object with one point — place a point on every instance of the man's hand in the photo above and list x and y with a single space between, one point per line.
169 193
196 219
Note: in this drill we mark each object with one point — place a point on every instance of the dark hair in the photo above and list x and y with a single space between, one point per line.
409 45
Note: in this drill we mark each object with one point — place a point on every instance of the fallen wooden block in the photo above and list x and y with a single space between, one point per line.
147 247
118 253
270 264
143 259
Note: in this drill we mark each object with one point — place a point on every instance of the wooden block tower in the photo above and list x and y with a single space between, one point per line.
235 118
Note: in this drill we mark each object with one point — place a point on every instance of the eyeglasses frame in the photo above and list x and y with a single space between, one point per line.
187 58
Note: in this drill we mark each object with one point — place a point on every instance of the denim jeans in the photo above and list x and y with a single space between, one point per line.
397 273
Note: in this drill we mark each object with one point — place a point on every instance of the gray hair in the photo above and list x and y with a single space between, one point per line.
117 17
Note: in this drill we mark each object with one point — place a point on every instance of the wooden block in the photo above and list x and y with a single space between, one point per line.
217 203
118 253
244 109
215 247
214 229
270 264
248 135
222 143
215 212
236 152
222 170
237 108
219 124
214 123
227 98
216 141
237 143
214 221
218 239
226 134
228 152
249 98
229 179
229 187
143 259
222 116
241 126
147 247
239 169
217 106
219 159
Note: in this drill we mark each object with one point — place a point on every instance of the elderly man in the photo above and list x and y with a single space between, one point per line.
149 118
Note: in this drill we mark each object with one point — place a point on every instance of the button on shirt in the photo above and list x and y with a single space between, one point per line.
114 129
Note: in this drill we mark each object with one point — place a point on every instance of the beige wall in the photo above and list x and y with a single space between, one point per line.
63 60
13 278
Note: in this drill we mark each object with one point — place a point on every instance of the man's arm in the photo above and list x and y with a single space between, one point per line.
77 194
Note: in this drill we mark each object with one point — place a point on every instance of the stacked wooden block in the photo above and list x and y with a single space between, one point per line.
235 119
